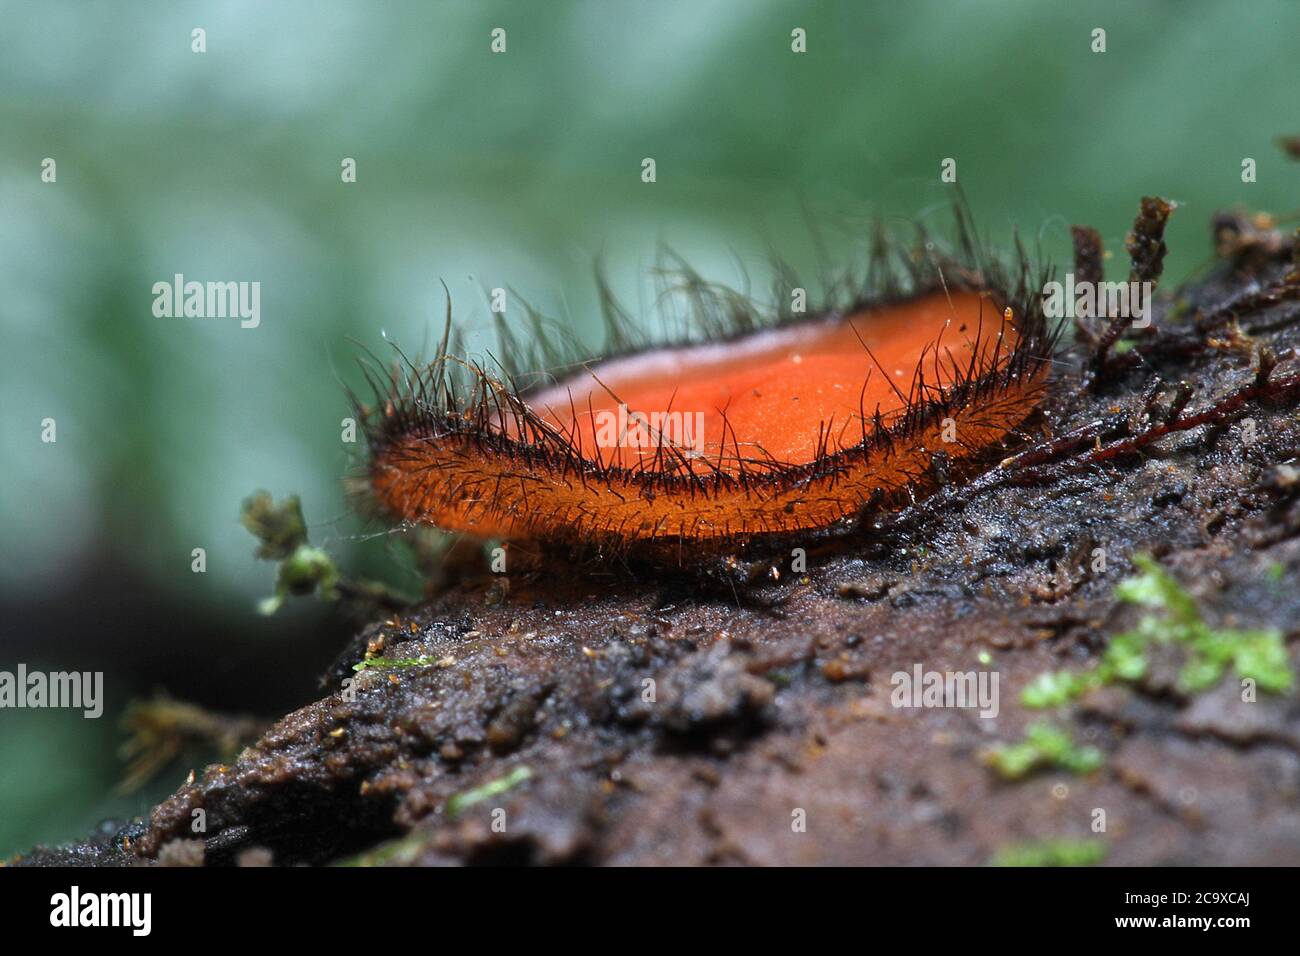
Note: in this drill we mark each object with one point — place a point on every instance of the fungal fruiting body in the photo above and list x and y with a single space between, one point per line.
794 427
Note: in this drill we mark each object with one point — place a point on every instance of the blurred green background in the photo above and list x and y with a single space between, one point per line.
481 170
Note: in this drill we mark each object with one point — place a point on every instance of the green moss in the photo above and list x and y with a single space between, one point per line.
1256 654
1051 853
408 848
379 663
493 788
1044 746
393 853
1054 688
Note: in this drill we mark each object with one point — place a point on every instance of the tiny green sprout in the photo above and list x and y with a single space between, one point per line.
1051 853
492 788
283 536
985 658
402 851
424 660
1043 746
302 569
301 573
1257 654
1276 571
279 528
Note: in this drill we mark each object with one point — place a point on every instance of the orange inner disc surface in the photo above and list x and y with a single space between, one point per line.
774 395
